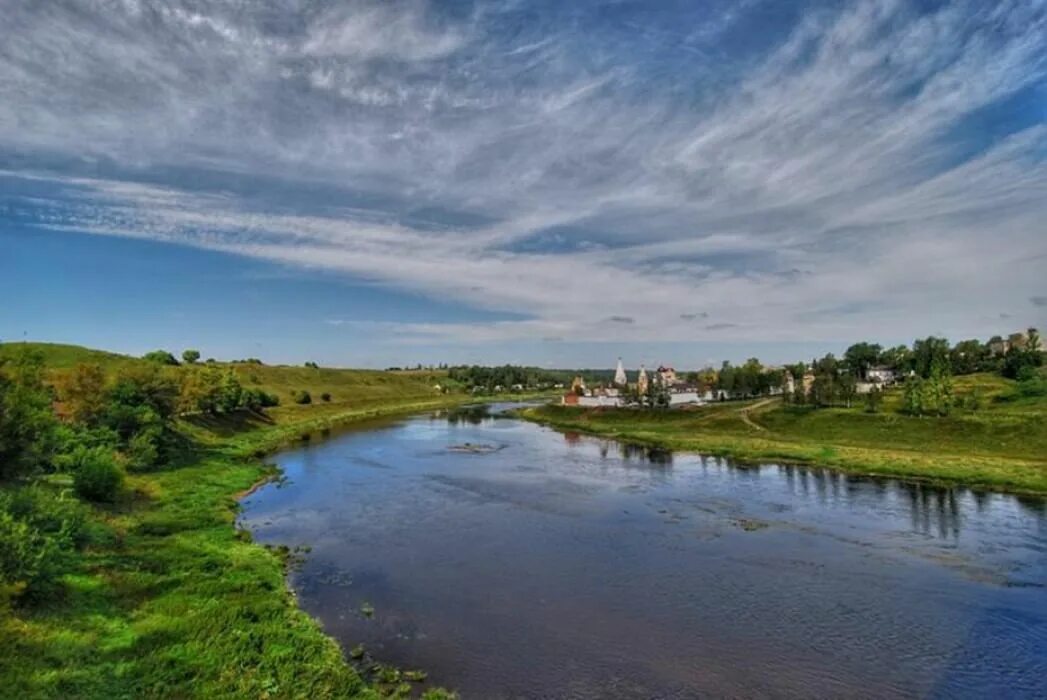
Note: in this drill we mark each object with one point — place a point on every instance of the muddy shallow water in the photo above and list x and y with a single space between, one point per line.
510 560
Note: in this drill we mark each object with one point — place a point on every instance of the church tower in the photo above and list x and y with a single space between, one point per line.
641 382
619 374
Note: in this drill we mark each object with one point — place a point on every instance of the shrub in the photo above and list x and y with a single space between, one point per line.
302 397
161 357
27 423
143 449
190 356
38 533
97 476
325 396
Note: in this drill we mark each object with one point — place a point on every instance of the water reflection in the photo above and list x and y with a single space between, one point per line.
466 415
573 565
627 451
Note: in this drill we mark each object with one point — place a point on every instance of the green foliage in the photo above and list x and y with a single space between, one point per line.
27 422
912 399
325 397
969 356
257 399
750 379
190 357
96 474
143 449
861 356
161 357
931 354
1021 362
932 396
311 365
873 400
39 532
303 397
82 393
506 376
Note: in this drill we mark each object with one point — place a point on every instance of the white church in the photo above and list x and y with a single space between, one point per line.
611 396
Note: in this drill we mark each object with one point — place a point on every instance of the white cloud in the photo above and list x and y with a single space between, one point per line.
820 195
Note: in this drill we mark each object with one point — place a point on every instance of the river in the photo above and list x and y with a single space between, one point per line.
510 560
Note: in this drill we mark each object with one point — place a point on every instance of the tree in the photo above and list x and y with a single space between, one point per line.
873 400
229 392
27 422
912 398
938 391
161 357
848 388
968 356
82 394
1021 360
928 353
861 356
190 356
303 397
898 358
726 378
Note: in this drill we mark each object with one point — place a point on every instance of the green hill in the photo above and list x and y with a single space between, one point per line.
348 388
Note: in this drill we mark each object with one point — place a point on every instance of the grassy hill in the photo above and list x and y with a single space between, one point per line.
1002 445
168 598
349 388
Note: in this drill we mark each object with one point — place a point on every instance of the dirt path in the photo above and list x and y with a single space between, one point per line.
744 413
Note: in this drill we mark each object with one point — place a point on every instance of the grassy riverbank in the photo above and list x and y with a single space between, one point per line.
168 599
1001 446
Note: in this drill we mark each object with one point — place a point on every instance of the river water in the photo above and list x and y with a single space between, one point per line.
510 560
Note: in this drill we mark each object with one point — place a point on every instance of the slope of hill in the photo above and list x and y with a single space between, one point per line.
345 386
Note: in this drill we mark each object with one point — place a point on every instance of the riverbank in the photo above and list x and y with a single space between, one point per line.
995 449
170 600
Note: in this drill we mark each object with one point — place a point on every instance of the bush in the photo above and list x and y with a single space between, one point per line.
143 449
161 357
27 422
325 396
302 397
38 533
97 476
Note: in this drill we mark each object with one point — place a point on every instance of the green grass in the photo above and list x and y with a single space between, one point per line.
351 388
1002 446
169 600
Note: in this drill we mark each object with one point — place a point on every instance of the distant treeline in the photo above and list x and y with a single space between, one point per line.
507 377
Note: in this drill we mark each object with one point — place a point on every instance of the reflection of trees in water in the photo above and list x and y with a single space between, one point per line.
626 451
657 456
466 415
934 510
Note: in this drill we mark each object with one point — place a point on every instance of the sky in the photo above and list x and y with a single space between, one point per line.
549 183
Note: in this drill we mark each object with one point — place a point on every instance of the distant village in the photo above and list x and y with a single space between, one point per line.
864 369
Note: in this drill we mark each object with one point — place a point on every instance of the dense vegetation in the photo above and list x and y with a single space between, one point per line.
121 573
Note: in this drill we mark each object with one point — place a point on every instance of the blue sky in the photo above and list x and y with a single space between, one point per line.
384 183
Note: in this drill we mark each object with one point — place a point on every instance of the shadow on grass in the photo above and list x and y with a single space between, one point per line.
230 424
